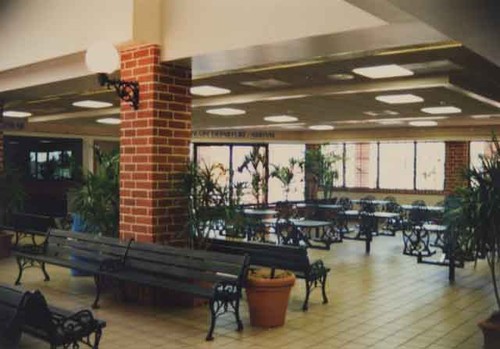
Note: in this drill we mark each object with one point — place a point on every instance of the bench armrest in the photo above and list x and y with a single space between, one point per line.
227 290
76 326
317 269
31 249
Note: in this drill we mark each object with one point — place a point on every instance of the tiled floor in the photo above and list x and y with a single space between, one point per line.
385 300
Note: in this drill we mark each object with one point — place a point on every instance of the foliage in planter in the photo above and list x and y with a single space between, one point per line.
255 164
285 174
12 194
211 202
98 200
319 166
268 273
479 212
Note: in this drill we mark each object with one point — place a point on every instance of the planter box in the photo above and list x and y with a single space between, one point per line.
5 244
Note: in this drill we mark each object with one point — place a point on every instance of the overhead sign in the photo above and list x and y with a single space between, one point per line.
233 134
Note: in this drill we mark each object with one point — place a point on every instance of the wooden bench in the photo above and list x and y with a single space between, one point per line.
28 312
80 251
27 225
292 258
214 276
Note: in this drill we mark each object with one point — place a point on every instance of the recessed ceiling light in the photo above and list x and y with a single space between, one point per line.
399 99
92 104
291 127
109 121
207 90
341 77
281 98
381 113
442 110
383 71
321 127
226 111
281 118
481 116
423 123
265 83
16 114
45 141
389 122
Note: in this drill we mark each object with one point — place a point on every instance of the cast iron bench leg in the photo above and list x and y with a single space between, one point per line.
213 318
309 285
323 290
97 282
20 266
237 314
47 277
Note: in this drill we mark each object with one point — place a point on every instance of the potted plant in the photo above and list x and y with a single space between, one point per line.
481 215
268 292
11 200
318 166
255 163
285 174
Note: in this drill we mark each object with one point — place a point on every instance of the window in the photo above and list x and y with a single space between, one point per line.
430 166
51 164
361 165
396 165
280 154
215 156
476 150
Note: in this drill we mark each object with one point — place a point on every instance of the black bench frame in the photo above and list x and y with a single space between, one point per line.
292 258
58 327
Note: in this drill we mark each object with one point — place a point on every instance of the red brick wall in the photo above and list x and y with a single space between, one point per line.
456 160
154 147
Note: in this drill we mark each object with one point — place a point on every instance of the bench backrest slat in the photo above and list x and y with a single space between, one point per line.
32 222
290 258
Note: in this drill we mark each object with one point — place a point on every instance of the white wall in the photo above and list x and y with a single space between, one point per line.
36 30
195 27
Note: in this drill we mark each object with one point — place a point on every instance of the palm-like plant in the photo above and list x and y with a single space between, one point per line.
319 166
98 199
255 164
285 174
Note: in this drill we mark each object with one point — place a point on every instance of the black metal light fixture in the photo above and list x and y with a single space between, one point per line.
103 58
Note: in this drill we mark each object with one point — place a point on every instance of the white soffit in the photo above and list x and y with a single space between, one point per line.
197 27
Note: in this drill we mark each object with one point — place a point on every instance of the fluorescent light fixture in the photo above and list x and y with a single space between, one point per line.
207 90
383 71
423 123
399 99
281 118
16 114
482 116
282 98
265 83
442 110
109 121
226 111
389 122
92 104
321 127
341 77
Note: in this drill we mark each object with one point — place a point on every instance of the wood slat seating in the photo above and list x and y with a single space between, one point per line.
292 258
27 225
84 252
214 276
28 312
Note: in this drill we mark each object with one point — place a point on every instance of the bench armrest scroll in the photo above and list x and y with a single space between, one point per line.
226 290
317 269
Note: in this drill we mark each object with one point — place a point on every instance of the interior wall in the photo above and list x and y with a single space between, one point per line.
38 30
195 27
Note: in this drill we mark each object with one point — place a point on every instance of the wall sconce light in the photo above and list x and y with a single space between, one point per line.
102 58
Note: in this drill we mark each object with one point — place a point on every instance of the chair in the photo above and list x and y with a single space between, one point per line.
367 204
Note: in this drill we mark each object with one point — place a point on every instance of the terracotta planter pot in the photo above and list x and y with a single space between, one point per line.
491 332
268 300
5 244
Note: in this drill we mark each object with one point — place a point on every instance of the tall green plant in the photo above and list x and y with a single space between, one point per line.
480 211
255 164
285 174
98 200
12 194
319 166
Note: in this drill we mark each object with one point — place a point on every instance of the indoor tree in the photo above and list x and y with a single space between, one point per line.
318 166
285 174
255 163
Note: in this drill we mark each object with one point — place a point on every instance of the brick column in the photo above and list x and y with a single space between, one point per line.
154 147
456 160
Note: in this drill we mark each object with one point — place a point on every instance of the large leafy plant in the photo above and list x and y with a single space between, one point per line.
318 166
479 212
255 164
98 200
285 174
12 194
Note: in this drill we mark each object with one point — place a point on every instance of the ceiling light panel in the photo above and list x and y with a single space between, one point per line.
226 111
16 114
265 83
383 71
208 90
321 127
109 121
92 104
442 110
281 118
399 99
423 123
